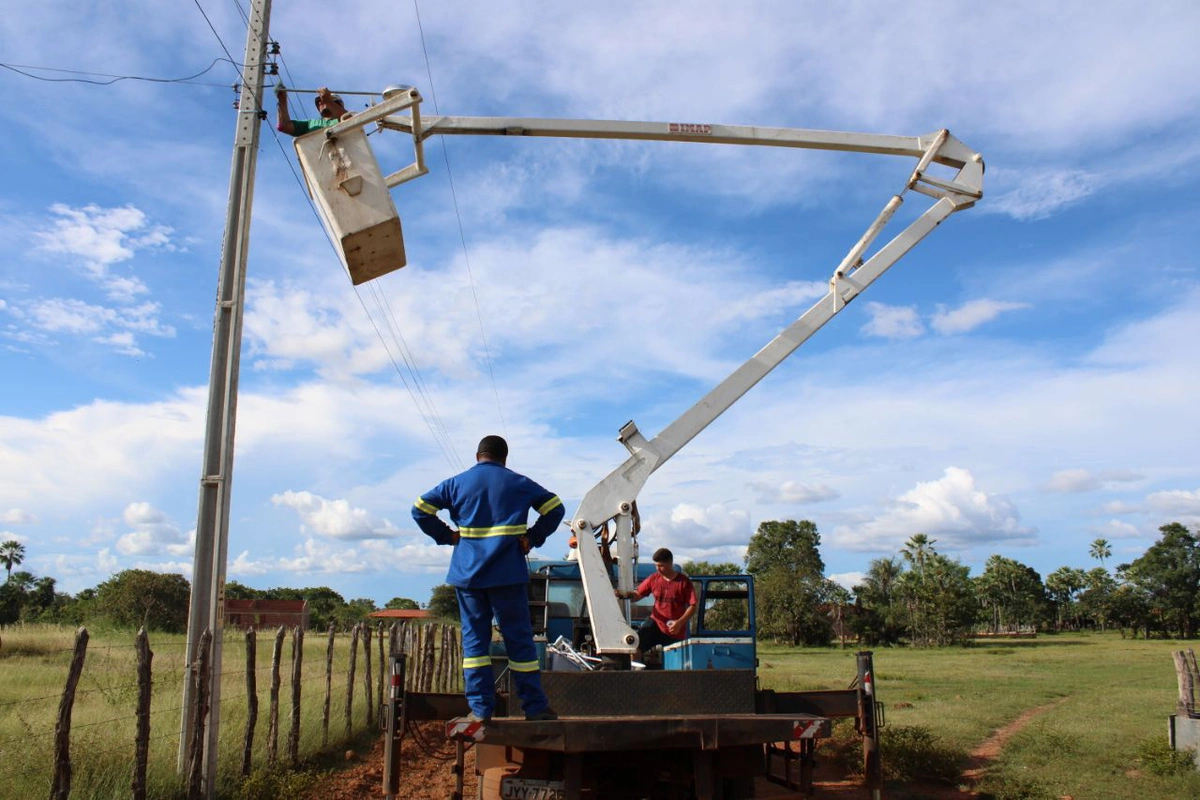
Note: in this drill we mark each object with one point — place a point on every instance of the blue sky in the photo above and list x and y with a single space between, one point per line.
1022 383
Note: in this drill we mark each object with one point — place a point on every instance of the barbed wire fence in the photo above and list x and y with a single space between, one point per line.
100 680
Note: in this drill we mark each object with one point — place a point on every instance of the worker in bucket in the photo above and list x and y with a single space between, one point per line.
490 504
329 106
674 603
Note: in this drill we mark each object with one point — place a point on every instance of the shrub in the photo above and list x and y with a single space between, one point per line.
1157 758
912 753
1012 786
270 784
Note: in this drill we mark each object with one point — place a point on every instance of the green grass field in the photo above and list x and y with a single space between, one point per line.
33 671
1101 738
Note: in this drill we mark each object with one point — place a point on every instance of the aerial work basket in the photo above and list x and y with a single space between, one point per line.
353 201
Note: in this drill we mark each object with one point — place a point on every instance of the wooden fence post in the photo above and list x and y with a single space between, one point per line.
141 749
412 636
350 680
446 659
61 786
427 660
251 698
273 710
1183 675
383 664
328 687
199 718
297 674
367 682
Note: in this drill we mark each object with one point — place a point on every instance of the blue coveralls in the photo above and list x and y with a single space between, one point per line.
490 505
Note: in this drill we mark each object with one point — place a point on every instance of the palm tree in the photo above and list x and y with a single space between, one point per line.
1100 550
12 553
917 550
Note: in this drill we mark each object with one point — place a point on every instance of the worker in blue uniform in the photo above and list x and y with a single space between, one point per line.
490 505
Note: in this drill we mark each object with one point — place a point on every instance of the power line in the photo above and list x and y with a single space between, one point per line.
461 234
219 40
427 410
432 422
20 69
422 398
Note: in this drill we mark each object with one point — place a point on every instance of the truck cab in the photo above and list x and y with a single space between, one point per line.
721 635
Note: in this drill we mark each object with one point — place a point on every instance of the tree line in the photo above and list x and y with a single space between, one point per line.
157 600
917 597
924 598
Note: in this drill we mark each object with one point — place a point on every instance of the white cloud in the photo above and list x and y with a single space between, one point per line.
102 237
950 509
1040 193
106 562
83 458
1118 529
336 519
17 516
430 310
1121 508
112 326
153 533
893 322
847 580
970 315
243 565
370 556
183 568
793 492
1081 480
1177 501
689 526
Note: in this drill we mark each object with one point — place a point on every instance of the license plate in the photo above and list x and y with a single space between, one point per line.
527 789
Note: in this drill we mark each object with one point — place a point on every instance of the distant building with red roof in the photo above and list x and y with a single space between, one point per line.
260 614
400 613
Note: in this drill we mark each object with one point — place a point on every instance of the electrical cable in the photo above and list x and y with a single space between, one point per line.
422 398
219 40
461 234
20 69
450 455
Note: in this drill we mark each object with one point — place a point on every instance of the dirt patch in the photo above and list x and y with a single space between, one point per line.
427 771
983 755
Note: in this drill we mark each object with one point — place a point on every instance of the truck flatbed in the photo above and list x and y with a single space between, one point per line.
610 734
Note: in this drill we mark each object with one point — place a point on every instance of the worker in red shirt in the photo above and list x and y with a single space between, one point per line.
674 603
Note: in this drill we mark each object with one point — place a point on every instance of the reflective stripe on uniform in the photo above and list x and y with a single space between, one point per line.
474 662
497 530
523 666
553 502
425 506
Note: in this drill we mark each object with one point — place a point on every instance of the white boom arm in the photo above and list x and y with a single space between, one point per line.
612 498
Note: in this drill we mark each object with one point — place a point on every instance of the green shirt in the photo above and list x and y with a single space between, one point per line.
303 126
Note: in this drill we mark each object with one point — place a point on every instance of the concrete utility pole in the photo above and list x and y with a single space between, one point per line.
212 523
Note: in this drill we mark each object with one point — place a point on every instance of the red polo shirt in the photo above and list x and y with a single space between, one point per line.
671 598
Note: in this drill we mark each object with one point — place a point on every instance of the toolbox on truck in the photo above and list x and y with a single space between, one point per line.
700 653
